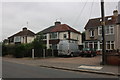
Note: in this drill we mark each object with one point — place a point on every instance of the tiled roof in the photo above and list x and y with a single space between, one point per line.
24 33
93 23
59 28
63 27
47 30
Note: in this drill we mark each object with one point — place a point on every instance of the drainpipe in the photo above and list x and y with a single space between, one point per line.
48 45
69 35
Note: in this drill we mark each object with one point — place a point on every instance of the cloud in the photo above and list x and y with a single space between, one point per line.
41 15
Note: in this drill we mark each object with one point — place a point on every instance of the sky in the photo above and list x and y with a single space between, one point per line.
41 15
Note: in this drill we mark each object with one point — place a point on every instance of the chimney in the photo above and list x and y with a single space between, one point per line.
57 23
115 12
24 29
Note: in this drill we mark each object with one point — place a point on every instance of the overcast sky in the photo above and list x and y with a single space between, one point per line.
41 15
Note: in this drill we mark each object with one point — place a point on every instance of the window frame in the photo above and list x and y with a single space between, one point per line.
92 33
100 28
54 35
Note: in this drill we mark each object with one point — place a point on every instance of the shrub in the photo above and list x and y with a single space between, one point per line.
19 51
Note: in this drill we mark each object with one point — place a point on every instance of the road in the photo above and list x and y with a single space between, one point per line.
13 70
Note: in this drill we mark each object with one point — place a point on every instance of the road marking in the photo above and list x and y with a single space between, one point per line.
90 67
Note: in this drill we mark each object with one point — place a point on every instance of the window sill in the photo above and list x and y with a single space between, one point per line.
92 36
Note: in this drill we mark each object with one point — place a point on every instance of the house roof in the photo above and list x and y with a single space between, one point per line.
47 30
93 23
24 33
59 28
63 27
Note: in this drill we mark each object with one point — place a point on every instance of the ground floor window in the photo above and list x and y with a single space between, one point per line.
54 46
98 45
109 45
95 45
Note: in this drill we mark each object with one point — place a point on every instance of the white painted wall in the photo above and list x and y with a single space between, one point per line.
76 36
61 35
30 39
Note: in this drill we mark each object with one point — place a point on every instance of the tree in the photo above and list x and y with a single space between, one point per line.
38 45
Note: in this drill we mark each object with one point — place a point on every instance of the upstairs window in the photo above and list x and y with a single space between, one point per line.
109 30
53 35
99 30
64 36
17 39
91 33
44 36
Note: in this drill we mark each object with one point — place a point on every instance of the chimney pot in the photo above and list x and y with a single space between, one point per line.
57 23
24 28
115 12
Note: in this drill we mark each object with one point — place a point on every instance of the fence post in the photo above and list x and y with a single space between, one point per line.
52 53
33 54
43 53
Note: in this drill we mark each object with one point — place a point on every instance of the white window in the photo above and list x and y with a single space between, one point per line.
109 18
109 45
53 35
44 36
17 39
91 33
106 29
112 45
109 30
100 30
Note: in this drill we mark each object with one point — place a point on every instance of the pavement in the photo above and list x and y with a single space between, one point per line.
79 64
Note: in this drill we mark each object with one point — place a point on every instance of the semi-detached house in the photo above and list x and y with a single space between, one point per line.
24 36
93 32
53 34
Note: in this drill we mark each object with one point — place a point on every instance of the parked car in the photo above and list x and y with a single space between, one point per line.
88 52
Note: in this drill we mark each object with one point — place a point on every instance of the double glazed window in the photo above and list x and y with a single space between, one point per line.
109 45
91 33
108 30
53 35
44 36
17 39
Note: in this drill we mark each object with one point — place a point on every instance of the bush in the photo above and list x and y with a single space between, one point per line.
19 51
8 50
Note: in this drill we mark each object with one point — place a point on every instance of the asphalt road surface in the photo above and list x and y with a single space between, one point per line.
13 70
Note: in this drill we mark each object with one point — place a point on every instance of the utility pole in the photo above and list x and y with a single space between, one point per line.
103 33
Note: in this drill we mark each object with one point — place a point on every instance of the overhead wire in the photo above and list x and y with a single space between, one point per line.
91 9
89 12
81 19
80 13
